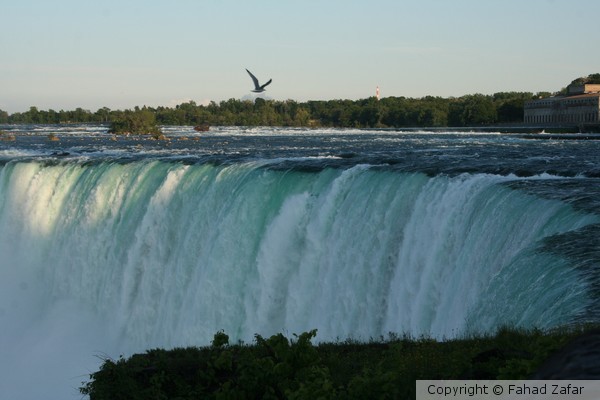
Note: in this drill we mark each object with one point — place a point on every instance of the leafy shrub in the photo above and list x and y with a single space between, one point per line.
138 122
281 368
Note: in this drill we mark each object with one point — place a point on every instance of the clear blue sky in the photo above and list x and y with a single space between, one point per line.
63 54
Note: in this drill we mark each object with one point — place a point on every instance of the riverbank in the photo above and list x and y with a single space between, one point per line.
278 367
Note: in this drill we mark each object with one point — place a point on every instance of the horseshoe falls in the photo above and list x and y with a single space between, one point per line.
106 249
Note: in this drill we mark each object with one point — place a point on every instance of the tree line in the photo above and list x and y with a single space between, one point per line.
469 110
394 112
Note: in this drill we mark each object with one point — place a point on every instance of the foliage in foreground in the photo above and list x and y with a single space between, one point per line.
279 368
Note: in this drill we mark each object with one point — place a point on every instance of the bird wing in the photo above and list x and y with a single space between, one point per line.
263 86
253 79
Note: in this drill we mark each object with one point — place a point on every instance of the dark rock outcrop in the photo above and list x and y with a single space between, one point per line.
580 359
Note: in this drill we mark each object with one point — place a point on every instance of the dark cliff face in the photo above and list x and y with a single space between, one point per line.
580 359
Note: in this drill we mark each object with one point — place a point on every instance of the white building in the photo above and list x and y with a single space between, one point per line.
581 105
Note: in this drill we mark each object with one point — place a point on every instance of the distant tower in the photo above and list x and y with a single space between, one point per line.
377 93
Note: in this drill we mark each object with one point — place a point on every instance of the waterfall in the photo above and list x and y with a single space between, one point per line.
128 256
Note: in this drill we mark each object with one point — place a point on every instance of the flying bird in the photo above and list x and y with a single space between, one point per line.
257 87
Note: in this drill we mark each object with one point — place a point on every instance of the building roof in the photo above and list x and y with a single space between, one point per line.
538 102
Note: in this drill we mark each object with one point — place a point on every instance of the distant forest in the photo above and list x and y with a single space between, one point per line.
394 112
477 109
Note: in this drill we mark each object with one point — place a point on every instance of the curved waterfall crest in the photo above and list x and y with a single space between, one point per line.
171 253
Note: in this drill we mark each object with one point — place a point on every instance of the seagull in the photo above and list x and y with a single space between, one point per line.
257 87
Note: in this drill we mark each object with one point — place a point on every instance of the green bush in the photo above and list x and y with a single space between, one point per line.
138 122
281 368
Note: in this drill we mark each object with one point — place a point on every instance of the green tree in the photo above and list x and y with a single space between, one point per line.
476 109
590 79
301 117
102 115
593 79
138 122
510 105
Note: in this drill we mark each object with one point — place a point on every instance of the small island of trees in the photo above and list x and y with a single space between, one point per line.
135 122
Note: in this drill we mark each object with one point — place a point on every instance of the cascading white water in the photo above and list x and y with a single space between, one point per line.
124 257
